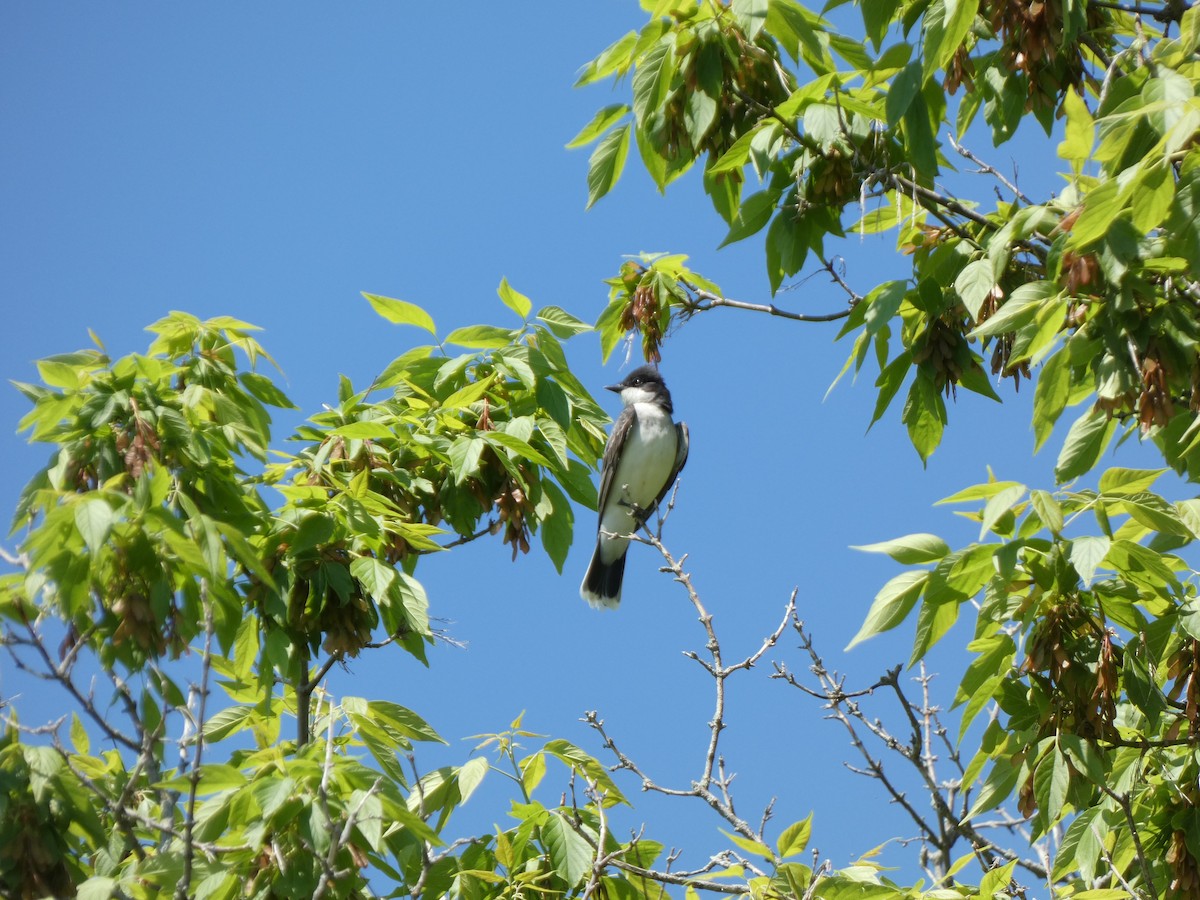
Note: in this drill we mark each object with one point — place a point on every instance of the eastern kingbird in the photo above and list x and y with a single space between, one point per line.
644 453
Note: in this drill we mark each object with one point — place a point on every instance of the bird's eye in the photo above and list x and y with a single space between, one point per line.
637 382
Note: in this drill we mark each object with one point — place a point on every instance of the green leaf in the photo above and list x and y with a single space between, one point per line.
996 789
401 312
754 848
606 163
558 528
1079 134
795 837
882 304
616 57
264 389
94 520
514 299
1048 511
998 505
570 853
1074 851
98 887
921 141
956 23
1084 444
996 881
934 619
228 721
974 284
520 447
1101 207
1050 395
751 15
364 430
577 481
925 415
553 399
561 322
481 337
533 770
891 605
374 575
402 720
1156 513
652 80
464 457
889 382
79 736
753 214
877 18
738 154
903 89
467 394
1118 481
601 122
1015 313
470 776
589 767
911 549
1050 782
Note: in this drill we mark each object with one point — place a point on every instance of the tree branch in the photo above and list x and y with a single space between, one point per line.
706 300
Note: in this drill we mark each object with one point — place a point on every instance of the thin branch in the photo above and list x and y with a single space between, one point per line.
181 891
948 827
712 785
839 280
602 859
985 169
679 879
467 538
61 674
1169 12
706 300
945 201
1122 800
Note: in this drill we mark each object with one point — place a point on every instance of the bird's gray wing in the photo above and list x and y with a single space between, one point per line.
682 440
612 454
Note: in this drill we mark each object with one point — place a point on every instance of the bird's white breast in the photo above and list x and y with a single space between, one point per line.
647 457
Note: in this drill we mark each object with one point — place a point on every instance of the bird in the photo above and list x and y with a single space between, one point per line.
645 452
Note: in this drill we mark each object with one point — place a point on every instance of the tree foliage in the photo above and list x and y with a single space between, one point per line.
807 134
166 526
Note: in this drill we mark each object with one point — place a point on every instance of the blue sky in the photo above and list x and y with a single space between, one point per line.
271 161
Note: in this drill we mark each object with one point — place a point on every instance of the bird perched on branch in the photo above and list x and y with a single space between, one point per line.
644 453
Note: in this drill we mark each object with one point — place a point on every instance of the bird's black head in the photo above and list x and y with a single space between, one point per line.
643 385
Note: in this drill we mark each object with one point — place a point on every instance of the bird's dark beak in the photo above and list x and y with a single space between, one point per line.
615 388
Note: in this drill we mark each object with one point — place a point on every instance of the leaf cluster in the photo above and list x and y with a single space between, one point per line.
150 536
1087 647
841 134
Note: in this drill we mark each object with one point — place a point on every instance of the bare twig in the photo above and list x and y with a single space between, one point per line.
985 169
712 784
941 831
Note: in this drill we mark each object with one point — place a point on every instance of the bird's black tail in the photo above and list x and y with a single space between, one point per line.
602 584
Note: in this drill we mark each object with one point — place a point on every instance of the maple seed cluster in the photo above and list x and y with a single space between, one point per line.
744 78
1073 650
1042 46
1183 669
642 312
324 599
514 510
941 348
